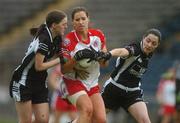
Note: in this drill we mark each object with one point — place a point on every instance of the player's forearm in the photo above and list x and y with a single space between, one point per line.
46 65
119 52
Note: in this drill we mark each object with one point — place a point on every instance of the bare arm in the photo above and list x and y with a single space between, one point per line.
40 65
119 52
102 62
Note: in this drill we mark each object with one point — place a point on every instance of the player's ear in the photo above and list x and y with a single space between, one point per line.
54 25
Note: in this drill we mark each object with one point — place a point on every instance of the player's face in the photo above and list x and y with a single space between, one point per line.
80 21
150 43
61 27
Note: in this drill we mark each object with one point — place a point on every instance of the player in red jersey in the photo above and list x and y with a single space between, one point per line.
82 83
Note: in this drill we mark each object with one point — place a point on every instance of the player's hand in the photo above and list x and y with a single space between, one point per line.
105 56
99 55
83 54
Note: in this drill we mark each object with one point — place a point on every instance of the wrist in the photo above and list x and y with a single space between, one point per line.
61 60
109 54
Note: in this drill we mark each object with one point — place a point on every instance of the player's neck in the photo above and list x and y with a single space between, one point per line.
84 35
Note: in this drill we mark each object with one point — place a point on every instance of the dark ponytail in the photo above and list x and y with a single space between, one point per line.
36 31
52 17
33 31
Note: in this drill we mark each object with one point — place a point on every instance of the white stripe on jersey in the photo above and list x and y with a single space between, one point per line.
16 91
25 72
49 33
126 65
33 47
43 46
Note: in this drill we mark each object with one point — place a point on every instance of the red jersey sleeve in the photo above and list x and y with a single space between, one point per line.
66 48
102 37
68 45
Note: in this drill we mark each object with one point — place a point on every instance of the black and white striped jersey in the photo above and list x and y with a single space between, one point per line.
43 44
128 71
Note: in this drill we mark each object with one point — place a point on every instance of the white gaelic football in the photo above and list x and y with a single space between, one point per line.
84 63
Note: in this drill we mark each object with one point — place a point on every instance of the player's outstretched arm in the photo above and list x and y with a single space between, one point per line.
119 52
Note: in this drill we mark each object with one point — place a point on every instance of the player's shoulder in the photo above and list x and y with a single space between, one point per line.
69 40
70 34
96 32
134 44
135 47
44 37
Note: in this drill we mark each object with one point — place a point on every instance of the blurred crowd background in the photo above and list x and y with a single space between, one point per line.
122 21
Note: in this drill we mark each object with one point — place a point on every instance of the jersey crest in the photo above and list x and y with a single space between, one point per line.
66 42
95 43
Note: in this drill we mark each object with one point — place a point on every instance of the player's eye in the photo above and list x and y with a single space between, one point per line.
77 19
148 40
83 18
154 43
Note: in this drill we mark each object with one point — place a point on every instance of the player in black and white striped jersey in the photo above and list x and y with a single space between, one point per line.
123 87
28 85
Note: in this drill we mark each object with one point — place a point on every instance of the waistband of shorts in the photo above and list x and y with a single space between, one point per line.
123 87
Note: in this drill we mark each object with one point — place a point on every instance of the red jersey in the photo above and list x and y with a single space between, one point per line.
73 43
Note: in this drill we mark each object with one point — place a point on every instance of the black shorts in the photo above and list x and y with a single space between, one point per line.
114 97
37 93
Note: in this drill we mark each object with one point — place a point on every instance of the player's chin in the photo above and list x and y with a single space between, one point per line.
148 51
81 29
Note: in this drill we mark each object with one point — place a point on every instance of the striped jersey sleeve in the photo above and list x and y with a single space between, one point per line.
133 49
43 47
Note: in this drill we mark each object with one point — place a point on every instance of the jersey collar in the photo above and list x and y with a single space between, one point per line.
78 38
49 32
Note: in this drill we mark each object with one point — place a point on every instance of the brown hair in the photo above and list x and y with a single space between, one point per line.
52 17
155 32
79 9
